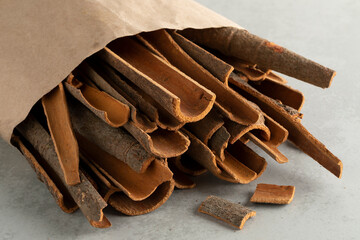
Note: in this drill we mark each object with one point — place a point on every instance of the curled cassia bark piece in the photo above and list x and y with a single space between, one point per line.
297 132
56 188
125 205
235 106
115 141
232 213
244 45
59 124
219 141
97 76
137 186
110 110
181 96
84 194
275 194
214 65
182 181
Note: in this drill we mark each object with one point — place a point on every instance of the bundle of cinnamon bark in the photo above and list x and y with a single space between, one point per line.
138 118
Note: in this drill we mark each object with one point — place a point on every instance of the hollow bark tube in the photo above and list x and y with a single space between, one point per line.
249 47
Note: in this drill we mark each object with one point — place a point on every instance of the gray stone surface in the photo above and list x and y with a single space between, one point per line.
324 207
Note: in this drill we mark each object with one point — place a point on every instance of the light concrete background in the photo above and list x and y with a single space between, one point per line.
324 207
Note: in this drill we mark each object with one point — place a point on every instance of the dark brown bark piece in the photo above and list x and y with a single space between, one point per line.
244 45
280 92
122 203
180 95
297 132
275 194
84 194
56 188
219 141
59 124
232 213
137 186
97 76
107 108
115 141
206 127
236 107
182 181
214 65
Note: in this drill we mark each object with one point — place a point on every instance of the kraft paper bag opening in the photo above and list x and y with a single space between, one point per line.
42 41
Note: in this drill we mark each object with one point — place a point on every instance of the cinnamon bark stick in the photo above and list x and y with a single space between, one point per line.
96 75
280 92
235 106
297 132
125 205
182 181
137 186
107 108
219 141
275 194
206 127
84 194
115 141
56 188
210 62
59 124
232 213
142 101
244 45
181 96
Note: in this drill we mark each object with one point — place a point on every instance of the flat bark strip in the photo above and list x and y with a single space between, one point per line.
181 96
59 124
98 76
232 213
206 127
120 202
182 181
280 92
115 141
219 141
297 132
107 108
214 65
56 188
244 45
275 194
84 194
137 186
236 106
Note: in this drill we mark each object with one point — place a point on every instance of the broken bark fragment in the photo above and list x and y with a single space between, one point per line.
96 76
244 45
297 132
276 78
219 141
107 108
280 92
125 205
214 65
236 107
115 141
182 181
206 127
275 194
232 213
180 95
84 194
56 188
137 186
59 124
